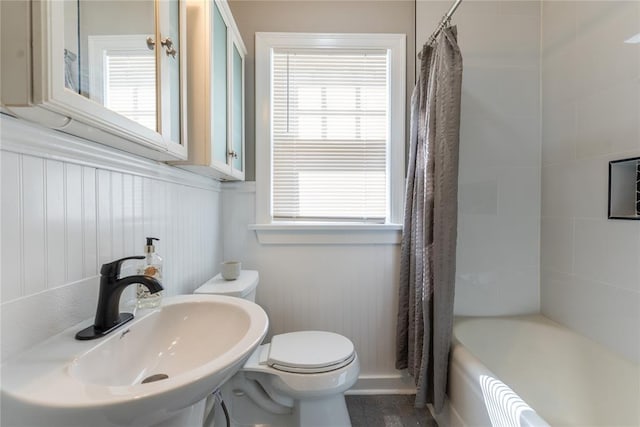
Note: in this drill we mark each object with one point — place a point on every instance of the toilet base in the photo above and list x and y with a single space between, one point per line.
330 411
326 412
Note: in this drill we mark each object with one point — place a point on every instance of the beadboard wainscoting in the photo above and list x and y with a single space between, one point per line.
350 289
69 205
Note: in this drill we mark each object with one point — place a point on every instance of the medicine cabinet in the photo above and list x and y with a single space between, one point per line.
216 92
110 71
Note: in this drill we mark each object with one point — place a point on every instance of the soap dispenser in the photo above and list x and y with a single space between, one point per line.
152 266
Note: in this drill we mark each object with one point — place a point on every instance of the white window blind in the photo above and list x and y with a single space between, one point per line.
330 135
130 86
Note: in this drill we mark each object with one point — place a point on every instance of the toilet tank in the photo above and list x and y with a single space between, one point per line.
243 287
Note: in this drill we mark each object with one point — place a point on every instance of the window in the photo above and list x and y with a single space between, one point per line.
329 128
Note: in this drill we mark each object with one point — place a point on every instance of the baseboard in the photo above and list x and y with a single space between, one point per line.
449 417
383 384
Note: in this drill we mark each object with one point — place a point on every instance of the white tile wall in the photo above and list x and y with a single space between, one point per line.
500 143
590 266
62 219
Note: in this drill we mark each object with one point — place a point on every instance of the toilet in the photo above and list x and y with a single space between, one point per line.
298 379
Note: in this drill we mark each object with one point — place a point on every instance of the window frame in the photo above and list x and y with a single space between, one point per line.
266 226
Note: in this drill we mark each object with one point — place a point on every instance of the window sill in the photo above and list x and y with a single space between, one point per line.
327 234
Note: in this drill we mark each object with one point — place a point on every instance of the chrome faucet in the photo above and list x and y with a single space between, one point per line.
108 316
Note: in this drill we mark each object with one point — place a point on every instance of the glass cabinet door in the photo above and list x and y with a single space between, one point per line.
127 57
109 56
237 102
219 90
216 92
170 52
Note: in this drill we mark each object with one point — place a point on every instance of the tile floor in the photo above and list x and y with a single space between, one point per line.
387 411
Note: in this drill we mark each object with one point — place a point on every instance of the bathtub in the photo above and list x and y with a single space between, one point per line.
531 371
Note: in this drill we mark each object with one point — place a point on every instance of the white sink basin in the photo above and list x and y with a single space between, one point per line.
145 372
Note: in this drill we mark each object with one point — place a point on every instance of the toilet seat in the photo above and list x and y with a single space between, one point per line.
308 352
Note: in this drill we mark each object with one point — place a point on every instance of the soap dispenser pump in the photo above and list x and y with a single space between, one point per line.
151 267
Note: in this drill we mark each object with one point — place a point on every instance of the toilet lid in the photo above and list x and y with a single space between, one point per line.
310 352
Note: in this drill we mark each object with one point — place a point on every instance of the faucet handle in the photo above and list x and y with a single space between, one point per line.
112 269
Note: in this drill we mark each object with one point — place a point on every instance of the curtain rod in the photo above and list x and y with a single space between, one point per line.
444 21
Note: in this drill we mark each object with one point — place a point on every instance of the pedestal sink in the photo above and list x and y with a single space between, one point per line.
146 372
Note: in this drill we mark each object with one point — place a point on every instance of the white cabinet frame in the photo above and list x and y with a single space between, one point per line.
33 86
202 100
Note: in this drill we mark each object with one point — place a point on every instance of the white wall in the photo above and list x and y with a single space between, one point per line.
590 266
352 289
348 289
499 178
64 215
315 16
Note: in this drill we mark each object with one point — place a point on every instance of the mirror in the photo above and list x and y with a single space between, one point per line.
624 189
110 56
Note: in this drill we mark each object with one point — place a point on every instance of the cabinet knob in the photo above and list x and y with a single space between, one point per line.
233 154
168 45
151 43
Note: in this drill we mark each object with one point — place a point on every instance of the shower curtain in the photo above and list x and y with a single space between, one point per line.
428 251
